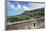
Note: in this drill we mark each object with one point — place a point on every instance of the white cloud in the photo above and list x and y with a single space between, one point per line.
18 7
32 7
26 8
22 8
11 6
30 4
36 5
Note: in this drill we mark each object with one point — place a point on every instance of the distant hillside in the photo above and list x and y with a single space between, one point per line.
28 14
41 10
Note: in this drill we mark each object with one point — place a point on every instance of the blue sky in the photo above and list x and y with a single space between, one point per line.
16 8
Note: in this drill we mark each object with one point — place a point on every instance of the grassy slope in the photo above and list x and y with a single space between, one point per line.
27 15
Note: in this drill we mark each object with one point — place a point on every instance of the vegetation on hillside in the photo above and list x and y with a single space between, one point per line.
27 15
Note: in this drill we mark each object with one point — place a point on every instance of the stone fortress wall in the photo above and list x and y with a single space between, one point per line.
32 24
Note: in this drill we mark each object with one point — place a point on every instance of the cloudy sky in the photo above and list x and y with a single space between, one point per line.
29 0
15 8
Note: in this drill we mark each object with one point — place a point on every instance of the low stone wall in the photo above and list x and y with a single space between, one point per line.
27 25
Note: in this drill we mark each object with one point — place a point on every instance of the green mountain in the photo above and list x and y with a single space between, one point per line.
28 14
35 12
